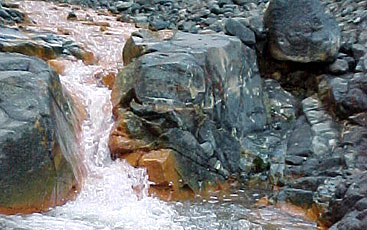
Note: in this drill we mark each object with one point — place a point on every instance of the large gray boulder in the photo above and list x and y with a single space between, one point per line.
195 94
37 137
301 31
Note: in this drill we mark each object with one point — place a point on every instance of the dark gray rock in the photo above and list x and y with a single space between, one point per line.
300 197
123 6
37 139
10 16
211 87
300 31
349 94
72 16
324 129
235 28
300 142
340 66
358 51
349 210
158 23
45 46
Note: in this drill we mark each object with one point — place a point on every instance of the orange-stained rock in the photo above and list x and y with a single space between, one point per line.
313 214
122 144
162 170
133 158
43 206
88 58
57 65
109 79
63 31
104 24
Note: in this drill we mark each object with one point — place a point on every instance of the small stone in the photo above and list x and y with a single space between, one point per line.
340 66
235 28
358 51
72 16
122 6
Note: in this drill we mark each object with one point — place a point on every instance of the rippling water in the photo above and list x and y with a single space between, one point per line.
108 199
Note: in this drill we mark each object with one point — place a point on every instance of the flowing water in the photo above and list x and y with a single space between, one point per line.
107 199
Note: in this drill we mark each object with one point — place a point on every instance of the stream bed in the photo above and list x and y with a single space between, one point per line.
107 199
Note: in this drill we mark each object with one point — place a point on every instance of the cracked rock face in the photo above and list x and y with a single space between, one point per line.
197 95
36 136
301 31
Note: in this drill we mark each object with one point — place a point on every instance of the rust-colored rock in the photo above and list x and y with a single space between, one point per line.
109 79
162 170
38 167
88 58
57 65
120 143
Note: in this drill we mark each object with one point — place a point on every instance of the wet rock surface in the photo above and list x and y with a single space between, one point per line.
192 94
37 136
9 14
42 45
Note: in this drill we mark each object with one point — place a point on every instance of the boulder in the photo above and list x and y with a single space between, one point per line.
301 31
37 137
196 95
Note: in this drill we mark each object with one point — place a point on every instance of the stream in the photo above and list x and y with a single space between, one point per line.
107 199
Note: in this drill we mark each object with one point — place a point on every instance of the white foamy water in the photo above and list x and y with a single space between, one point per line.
108 200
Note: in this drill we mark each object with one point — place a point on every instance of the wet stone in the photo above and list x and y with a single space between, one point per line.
37 139
196 124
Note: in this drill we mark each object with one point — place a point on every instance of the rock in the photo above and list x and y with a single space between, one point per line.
298 197
301 31
358 51
221 3
340 66
349 94
45 46
325 129
355 142
300 142
72 16
235 28
10 16
348 211
162 170
158 23
122 6
37 139
280 104
240 2
57 65
211 97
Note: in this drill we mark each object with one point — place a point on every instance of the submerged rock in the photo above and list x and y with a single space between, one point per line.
196 95
301 31
37 137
